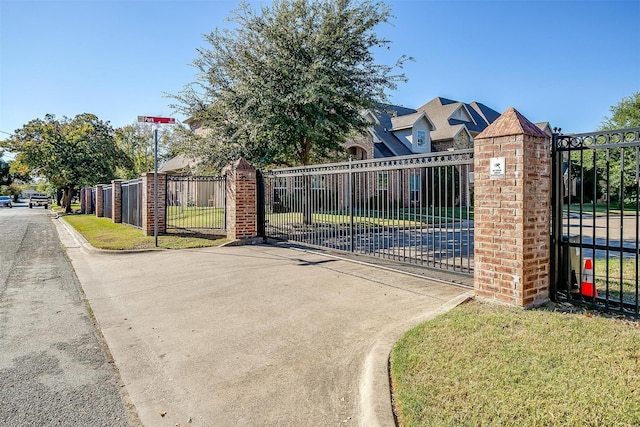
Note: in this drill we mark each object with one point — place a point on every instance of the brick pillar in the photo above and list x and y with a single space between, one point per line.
86 200
241 200
512 212
99 201
147 203
116 201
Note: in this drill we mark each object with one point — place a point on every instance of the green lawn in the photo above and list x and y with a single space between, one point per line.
75 207
617 269
102 233
599 208
489 365
194 217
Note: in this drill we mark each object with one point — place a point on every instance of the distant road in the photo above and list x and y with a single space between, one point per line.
53 369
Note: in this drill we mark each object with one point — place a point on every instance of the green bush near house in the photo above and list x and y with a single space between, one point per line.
487 365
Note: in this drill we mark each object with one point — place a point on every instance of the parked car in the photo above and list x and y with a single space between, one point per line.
5 201
37 199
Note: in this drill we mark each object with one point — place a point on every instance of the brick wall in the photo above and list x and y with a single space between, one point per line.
512 214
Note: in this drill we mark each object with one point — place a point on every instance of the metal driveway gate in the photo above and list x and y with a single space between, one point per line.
415 210
196 203
595 220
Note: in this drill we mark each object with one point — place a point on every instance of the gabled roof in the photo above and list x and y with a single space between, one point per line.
441 110
545 127
380 151
370 117
488 114
383 131
392 143
448 132
407 121
180 163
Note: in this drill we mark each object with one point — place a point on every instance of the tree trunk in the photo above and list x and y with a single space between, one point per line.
66 198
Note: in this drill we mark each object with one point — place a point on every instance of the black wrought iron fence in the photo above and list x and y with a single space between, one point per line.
596 221
132 202
414 209
107 200
196 203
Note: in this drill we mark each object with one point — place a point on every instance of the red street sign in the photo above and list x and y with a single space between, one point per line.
162 120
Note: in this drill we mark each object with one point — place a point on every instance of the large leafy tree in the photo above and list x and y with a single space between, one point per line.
69 153
286 85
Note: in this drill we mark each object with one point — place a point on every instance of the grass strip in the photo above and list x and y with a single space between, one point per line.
483 364
102 233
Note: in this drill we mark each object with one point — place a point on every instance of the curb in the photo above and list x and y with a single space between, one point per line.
84 243
375 409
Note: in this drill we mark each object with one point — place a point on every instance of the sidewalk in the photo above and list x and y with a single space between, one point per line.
253 335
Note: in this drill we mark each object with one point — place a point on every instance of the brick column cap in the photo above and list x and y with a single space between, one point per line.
511 122
240 164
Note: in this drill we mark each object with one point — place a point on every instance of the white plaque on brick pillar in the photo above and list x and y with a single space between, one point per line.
497 168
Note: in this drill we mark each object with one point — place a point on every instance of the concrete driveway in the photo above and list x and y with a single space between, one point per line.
253 335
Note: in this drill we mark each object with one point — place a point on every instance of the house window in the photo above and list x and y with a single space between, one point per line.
414 189
383 181
382 190
422 138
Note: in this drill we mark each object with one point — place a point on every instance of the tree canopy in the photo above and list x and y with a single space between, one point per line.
5 174
624 114
137 142
617 165
286 86
69 153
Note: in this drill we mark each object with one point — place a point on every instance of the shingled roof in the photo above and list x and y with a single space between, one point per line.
178 164
440 111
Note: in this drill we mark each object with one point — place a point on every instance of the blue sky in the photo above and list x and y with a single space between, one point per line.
565 62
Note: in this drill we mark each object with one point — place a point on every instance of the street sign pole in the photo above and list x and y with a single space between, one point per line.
156 121
155 185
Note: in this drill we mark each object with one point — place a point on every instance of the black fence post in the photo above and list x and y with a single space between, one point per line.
260 208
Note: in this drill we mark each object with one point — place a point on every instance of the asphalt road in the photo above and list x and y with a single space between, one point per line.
53 368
